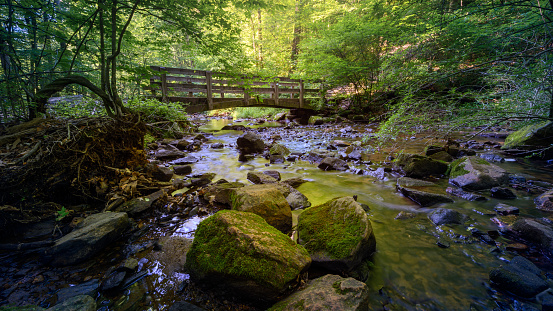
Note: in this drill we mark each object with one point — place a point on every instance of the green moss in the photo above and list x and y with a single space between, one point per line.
524 135
457 168
236 253
479 160
334 230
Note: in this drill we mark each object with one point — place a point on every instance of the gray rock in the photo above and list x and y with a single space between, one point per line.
294 182
330 292
250 143
539 134
297 200
183 144
490 157
423 167
239 252
317 155
217 146
113 281
165 154
545 201
520 277
441 216
89 288
412 182
431 149
502 193
221 193
465 195
265 200
405 215
140 205
535 232
333 164
504 209
279 149
274 174
475 173
442 156
337 234
182 169
89 237
184 160
77 303
276 159
260 178
234 127
424 198
161 173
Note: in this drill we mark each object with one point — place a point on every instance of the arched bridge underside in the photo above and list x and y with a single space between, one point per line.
205 90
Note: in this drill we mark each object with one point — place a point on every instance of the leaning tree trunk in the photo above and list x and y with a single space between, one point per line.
57 85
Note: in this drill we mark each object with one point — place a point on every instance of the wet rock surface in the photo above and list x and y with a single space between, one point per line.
474 173
520 277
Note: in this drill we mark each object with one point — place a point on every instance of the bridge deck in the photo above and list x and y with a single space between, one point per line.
206 90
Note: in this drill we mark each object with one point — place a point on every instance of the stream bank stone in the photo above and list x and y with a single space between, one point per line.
333 164
265 200
520 277
474 173
446 216
240 251
539 134
221 193
545 201
250 143
337 234
417 166
89 237
422 192
330 292
535 232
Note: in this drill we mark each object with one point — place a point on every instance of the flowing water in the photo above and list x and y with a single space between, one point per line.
409 271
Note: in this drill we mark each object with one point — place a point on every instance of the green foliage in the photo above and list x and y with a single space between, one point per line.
62 213
256 112
152 110
71 106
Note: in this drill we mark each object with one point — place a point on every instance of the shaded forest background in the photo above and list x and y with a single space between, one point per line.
427 63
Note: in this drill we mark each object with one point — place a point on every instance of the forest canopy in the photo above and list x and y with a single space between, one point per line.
426 62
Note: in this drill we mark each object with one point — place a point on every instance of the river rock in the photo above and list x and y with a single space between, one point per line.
239 251
276 158
234 127
184 306
423 167
260 178
337 234
520 277
140 205
474 173
491 157
184 161
539 134
279 149
535 232
432 149
504 209
465 195
88 238
221 193
294 182
77 303
333 164
161 173
182 169
502 193
168 154
441 156
330 292
217 146
297 200
250 143
317 155
446 216
274 174
183 144
89 288
422 192
265 200
113 281
545 201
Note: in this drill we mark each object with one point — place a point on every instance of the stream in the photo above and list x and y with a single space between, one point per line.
410 270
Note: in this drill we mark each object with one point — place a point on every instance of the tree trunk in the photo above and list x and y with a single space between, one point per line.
297 34
58 85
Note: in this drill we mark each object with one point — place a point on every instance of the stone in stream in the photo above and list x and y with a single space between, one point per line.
502 193
520 277
274 174
446 216
183 144
294 182
140 205
474 173
297 200
330 292
333 164
337 234
417 166
431 149
77 303
317 155
166 154
265 200
442 156
182 169
250 143
504 209
113 281
89 288
260 178
539 134
88 238
276 158
160 173
217 146
240 252
535 232
221 192
424 193
279 149
184 161
545 201
465 195
184 306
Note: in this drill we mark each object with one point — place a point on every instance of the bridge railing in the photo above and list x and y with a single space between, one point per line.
207 90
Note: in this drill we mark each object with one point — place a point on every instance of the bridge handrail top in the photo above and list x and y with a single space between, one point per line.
196 72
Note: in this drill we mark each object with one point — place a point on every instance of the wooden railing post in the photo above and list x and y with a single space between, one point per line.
276 94
246 93
164 89
301 93
209 92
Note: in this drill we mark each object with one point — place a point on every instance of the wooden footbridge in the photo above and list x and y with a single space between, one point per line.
206 90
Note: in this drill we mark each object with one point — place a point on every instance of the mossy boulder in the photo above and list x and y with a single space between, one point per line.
330 292
474 173
539 134
424 193
418 166
220 193
520 276
279 149
442 156
315 120
261 178
337 234
267 201
241 252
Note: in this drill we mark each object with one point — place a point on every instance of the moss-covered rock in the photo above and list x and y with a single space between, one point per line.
279 149
539 134
260 178
239 251
330 292
315 120
250 143
475 173
267 201
442 156
220 193
337 234
417 166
